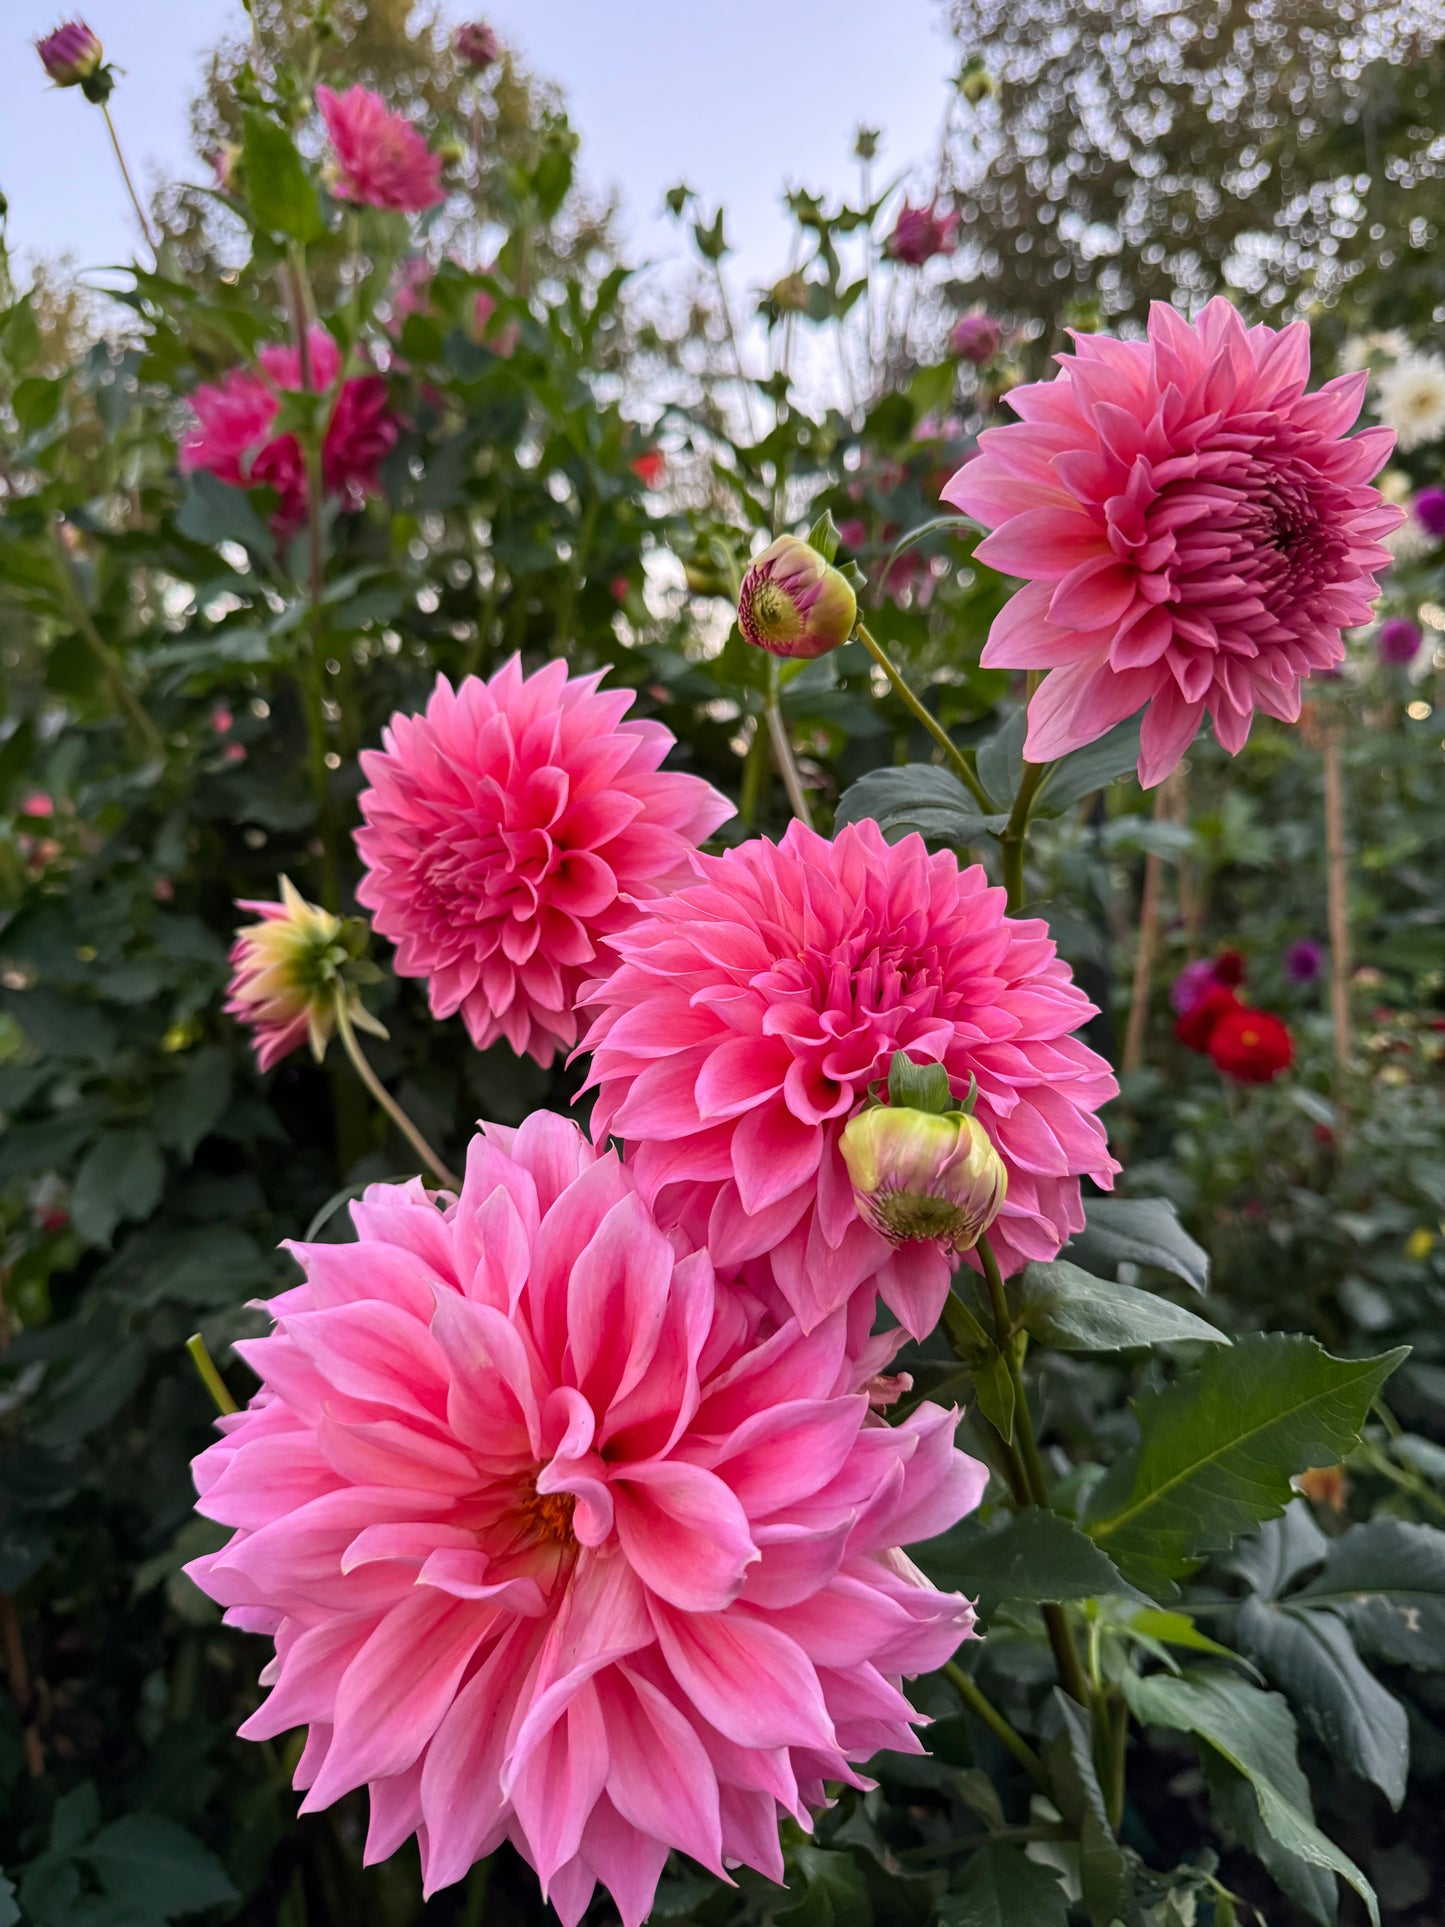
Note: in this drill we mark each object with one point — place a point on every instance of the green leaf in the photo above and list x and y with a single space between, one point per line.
1036 1558
212 512
148 1861
121 1177
9 1912
835 1894
1387 1578
1219 1446
1309 1655
1000 763
281 194
1103 1864
1138 1231
1000 1888
194 1104
1065 1307
1280 1551
1236 1813
917 796
1254 1732
919 1087
993 1387
1082 772
1161 1628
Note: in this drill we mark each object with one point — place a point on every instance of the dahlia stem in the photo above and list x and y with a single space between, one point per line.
140 213
783 751
387 1102
210 1376
1003 1731
1014 836
147 736
958 762
1144 955
1056 1623
1337 881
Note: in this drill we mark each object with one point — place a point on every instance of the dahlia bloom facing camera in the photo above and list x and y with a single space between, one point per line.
381 160
232 439
753 1009
1194 529
558 1545
510 831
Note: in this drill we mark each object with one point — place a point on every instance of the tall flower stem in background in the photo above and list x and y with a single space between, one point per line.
135 201
388 1103
957 761
1337 887
783 750
1007 1736
1149 918
1061 1638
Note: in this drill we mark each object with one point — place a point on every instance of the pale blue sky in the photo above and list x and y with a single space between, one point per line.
738 97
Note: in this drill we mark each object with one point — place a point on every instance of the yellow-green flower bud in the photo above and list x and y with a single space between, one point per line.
917 1175
794 602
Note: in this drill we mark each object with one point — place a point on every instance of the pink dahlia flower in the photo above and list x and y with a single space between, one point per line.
232 438
381 160
557 1545
919 234
752 1011
1194 528
510 831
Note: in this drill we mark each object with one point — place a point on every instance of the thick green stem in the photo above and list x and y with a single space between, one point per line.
1112 1721
783 751
1014 835
957 761
1007 1735
755 776
387 1102
1056 1621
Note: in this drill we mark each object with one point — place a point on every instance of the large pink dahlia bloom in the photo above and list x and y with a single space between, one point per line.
232 433
509 831
1195 531
751 1012
558 1546
381 159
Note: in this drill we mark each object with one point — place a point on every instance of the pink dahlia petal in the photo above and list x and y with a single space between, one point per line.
560 1544
381 160
785 978
1180 510
511 830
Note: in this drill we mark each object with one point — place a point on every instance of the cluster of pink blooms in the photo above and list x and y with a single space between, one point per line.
1194 530
568 1501
232 437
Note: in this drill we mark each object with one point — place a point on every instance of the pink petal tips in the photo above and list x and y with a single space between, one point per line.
560 1546
1195 531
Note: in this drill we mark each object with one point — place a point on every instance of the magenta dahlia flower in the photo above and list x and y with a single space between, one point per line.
71 54
919 234
232 437
510 831
381 160
558 1545
1194 528
752 1011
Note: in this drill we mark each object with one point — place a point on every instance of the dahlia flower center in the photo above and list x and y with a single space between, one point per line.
774 614
906 1216
549 1516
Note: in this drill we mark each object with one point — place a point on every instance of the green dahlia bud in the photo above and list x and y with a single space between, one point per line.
916 1175
794 603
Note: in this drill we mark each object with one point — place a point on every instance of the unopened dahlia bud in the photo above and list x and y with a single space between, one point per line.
976 83
793 602
477 45
290 971
974 337
917 1175
73 57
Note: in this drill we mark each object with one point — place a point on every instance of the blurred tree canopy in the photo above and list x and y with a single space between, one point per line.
1135 149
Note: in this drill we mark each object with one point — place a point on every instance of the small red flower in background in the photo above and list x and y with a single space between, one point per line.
649 467
1230 968
1195 1026
381 160
1252 1046
919 234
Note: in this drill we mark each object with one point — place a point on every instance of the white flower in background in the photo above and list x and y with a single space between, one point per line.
1412 399
1364 351
1410 541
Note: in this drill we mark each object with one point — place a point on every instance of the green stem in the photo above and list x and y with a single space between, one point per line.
577 574
140 213
387 1102
1036 1482
475 1906
1006 1734
210 1376
755 776
1112 1721
783 750
1014 835
958 762
146 735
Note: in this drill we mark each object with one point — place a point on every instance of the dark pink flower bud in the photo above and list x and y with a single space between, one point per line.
919 234
477 45
793 602
73 57
975 338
